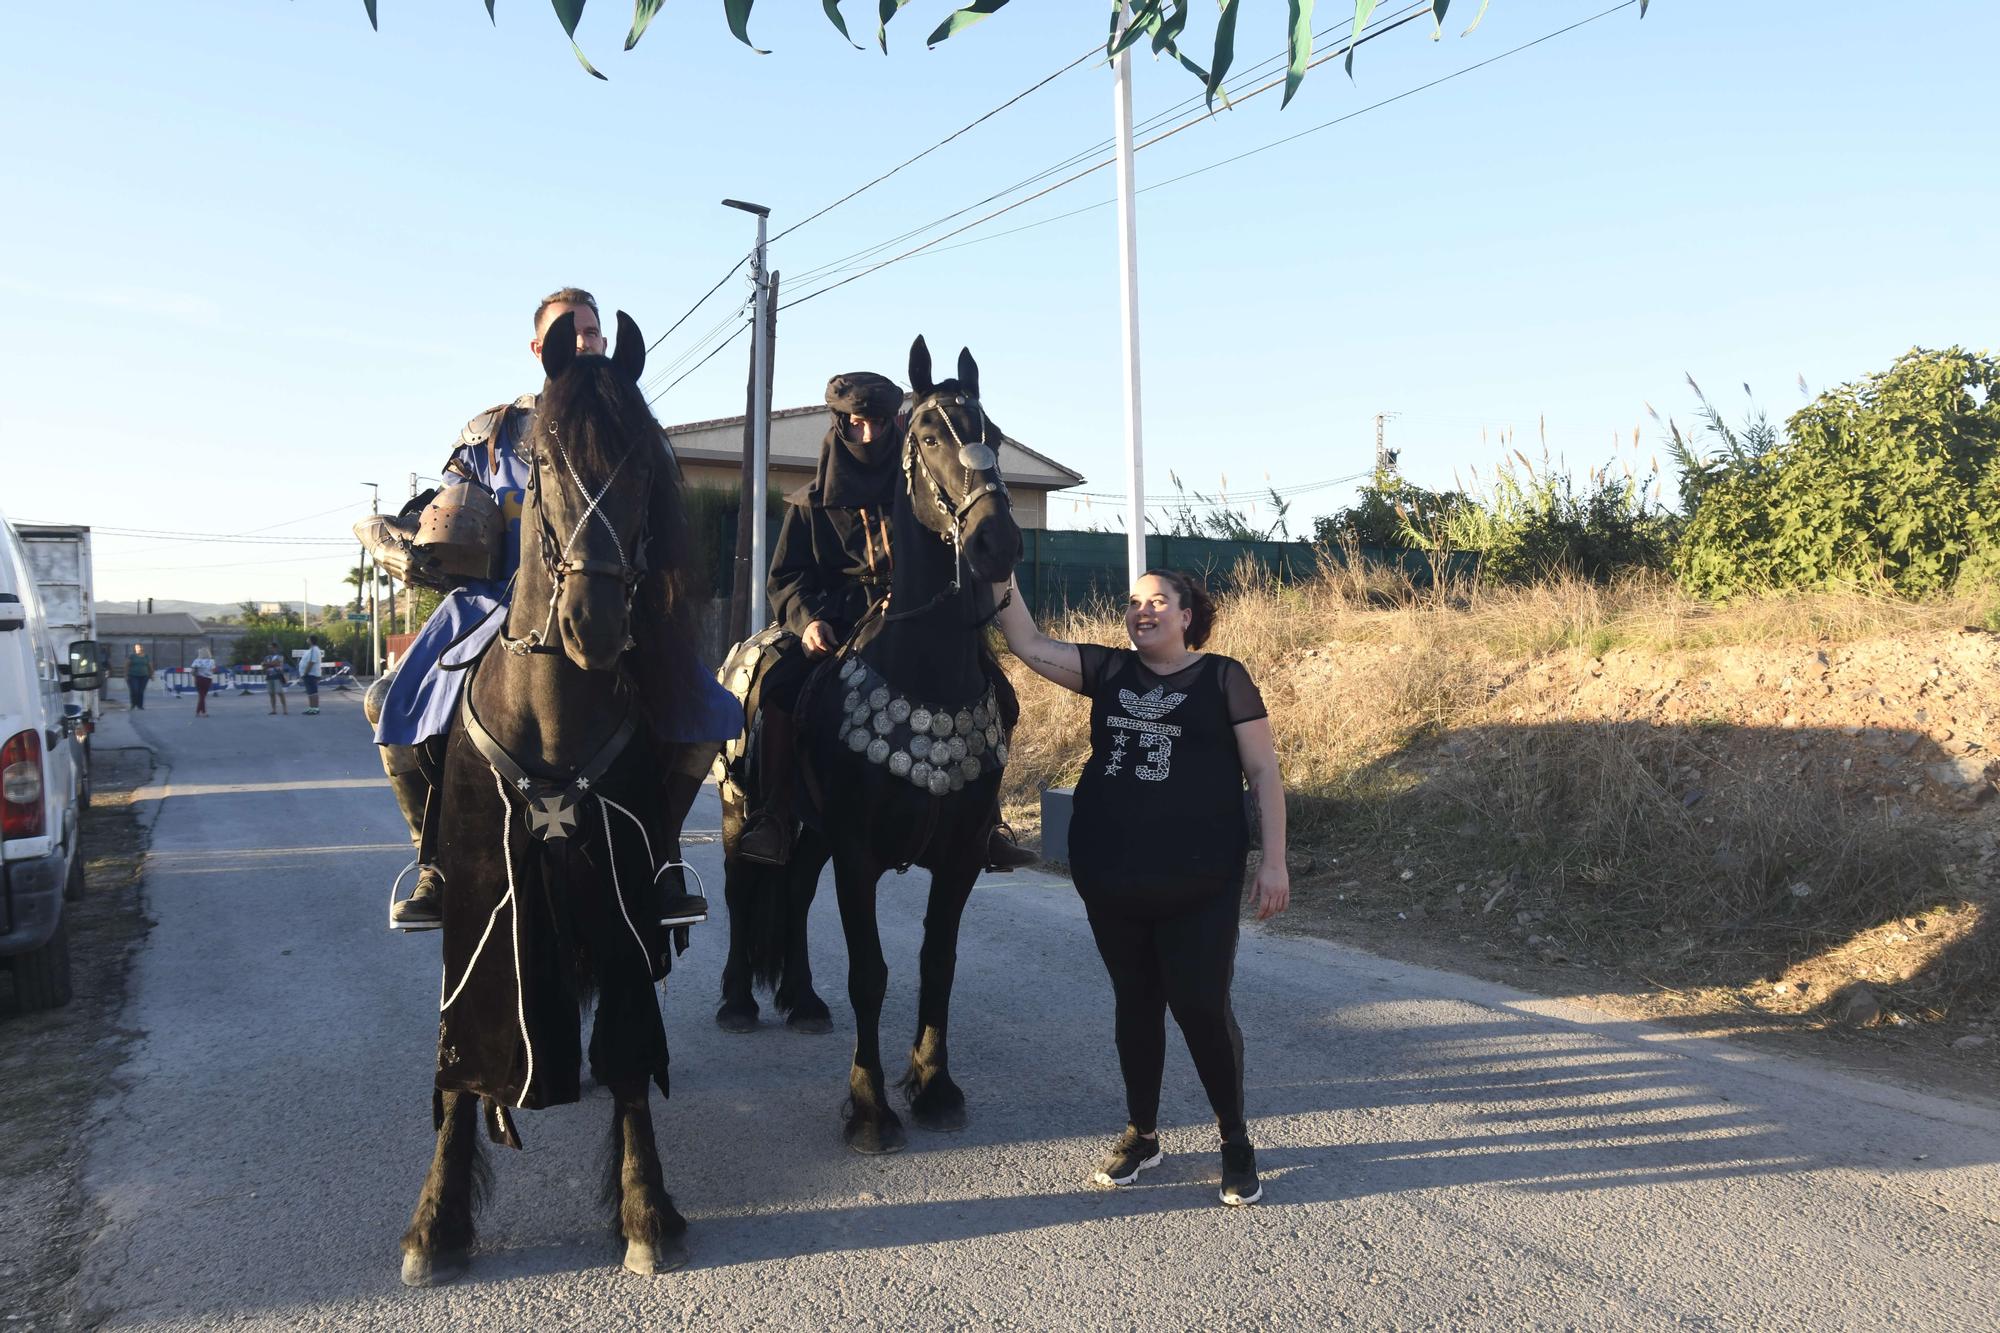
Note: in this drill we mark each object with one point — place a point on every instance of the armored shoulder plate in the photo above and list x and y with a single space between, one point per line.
486 425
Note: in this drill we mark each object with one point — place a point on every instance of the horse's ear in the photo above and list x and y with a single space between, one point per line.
630 356
920 368
559 345
968 372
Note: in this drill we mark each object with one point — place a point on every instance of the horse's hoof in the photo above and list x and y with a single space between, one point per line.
736 1019
425 1270
941 1120
811 1020
649 1260
873 1138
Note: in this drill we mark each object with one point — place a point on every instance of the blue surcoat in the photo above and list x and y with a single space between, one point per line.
427 682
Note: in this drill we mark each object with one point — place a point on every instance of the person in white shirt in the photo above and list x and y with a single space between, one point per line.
309 672
204 677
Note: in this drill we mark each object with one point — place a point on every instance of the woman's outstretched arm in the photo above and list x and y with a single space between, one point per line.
1050 658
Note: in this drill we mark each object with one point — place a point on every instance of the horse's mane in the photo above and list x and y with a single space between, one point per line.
601 416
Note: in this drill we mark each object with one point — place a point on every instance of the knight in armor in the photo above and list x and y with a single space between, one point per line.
464 539
829 565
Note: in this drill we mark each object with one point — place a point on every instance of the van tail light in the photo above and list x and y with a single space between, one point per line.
21 813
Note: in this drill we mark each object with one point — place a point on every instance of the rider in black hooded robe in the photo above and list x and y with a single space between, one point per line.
831 562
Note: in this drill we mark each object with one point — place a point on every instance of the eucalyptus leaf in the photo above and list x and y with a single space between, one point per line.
738 14
1302 42
490 18
1438 8
839 23
885 11
584 61
961 19
369 5
1145 20
569 13
642 14
1362 9
1476 17
1169 31
1225 51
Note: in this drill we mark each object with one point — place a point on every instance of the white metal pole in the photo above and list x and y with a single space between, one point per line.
1128 293
760 437
760 417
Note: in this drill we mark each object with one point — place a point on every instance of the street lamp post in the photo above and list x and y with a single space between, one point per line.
760 414
1128 296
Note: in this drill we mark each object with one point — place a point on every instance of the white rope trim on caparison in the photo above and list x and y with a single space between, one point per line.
611 855
664 866
514 924
636 821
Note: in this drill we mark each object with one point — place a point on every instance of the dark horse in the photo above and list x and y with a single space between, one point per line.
901 749
564 792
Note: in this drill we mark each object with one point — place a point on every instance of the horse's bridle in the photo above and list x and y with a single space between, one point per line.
975 458
558 561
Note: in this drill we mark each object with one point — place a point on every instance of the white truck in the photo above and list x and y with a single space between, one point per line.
58 556
43 671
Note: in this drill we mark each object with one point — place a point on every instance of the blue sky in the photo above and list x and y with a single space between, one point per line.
259 254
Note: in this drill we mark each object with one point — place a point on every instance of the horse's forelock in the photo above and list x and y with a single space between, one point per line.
599 415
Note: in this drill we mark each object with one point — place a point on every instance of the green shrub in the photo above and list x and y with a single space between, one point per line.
1894 479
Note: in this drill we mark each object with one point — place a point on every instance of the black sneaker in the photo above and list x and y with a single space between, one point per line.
1240 1185
424 908
1133 1153
683 909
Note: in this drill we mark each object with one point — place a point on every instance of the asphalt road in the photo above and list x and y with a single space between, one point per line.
1437 1151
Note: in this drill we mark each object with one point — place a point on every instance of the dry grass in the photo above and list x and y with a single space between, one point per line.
1396 715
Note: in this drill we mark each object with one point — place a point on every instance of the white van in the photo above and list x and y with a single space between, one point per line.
41 817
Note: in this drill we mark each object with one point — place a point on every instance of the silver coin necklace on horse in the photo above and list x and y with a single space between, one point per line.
902 744
553 835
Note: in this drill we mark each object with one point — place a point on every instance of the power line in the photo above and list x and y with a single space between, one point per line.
243 538
698 304
854 193
1098 166
1087 55
691 350
698 365
1161 185
1243 80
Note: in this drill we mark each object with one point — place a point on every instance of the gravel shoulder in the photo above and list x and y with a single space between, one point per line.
55 1065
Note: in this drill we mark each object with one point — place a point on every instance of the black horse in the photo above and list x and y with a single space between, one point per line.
563 796
901 750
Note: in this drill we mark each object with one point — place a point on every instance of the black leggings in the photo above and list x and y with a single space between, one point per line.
1183 962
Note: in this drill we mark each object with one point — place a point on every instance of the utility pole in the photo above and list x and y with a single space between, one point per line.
373 573
760 414
1128 295
1385 457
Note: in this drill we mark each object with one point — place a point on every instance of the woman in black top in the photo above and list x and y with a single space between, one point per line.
1158 840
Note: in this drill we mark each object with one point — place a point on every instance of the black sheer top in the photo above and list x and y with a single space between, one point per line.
1159 820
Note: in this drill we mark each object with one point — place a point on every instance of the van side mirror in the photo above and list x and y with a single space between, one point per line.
13 615
83 671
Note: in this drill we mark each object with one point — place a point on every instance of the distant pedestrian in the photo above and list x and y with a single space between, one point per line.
274 678
204 678
1157 847
309 673
138 674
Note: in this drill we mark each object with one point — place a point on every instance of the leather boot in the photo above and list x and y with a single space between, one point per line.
424 908
1002 852
767 835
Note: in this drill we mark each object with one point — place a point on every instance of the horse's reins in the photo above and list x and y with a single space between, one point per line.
977 457
559 563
